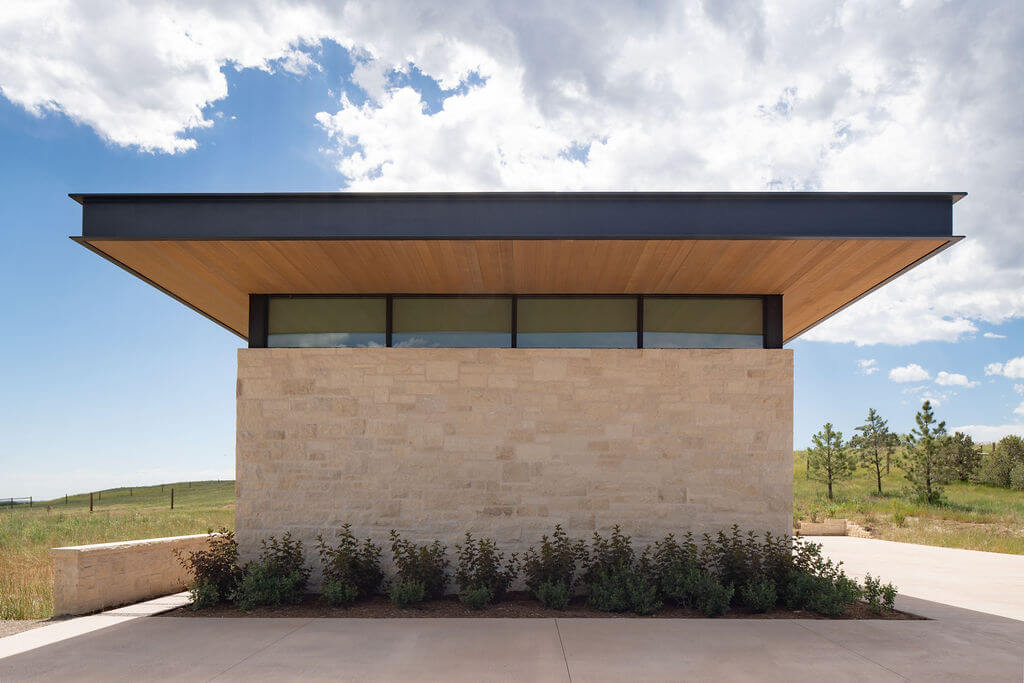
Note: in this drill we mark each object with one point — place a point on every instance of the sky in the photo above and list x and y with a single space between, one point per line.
107 382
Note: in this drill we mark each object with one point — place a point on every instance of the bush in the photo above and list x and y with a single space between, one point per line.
476 598
481 566
408 593
262 585
610 555
608 592
204 595
279 576
340 593
554 562
880 598
553 594
644 596
1017 477
214 571
349 563
710 597
997 468
424 564
759 596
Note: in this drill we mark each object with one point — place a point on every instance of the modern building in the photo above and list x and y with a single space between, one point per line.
505 362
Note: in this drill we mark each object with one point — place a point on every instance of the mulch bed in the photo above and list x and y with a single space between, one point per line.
517 605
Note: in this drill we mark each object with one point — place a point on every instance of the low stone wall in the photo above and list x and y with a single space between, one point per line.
88 578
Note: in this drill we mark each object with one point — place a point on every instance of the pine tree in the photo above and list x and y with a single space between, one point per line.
828 459
873 445
927 447
964 456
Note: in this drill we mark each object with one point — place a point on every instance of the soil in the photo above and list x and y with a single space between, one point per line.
8 627
517 605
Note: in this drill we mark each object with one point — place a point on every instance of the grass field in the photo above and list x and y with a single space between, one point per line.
27 534
973 516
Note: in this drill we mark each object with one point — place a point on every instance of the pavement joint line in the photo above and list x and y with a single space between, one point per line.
558 631
851 651
263 648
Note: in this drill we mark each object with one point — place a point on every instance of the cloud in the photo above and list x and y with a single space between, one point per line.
1019 410
993 335
1013 368
1019 388
596 96
868 366
989 433
909 373
952 379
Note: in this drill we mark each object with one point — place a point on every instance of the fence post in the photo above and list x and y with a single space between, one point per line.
130 494
30 501
172 497
65 499
90 501
101 495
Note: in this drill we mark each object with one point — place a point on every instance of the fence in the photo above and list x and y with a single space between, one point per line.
11 502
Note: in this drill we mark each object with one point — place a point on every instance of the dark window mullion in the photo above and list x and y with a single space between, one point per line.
515 319
640 322
388 319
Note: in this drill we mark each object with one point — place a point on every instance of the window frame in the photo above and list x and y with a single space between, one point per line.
771 317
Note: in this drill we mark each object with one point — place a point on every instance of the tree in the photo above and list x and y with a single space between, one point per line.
873 445
964 456
828 460
926 462
997 466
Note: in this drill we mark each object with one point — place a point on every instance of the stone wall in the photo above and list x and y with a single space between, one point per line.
88 578
510 442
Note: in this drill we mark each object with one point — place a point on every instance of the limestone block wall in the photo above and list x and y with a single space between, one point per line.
510 442
87 578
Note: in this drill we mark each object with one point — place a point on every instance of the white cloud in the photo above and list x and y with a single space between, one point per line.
1019 410
953 379
1019 388
909 373
1014 368
989 433
993 335
868 366
657 96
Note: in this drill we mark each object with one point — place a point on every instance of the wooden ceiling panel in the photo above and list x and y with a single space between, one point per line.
815 276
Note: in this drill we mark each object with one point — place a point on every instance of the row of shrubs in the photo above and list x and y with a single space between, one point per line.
755 573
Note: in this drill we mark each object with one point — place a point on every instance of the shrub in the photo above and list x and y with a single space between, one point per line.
759 596
609 555
553 594
481 566
352 564
608 592
425 564
1017 477
997 467
476 598
554 562
279 575
339 592
879 597
204 595
710 597
899 519
262 585
644 596
408 593
215 570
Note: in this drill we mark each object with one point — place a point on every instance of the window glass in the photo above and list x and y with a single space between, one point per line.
702 323
451 322
327 321
576 322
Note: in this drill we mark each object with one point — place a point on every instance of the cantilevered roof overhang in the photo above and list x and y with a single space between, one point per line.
821 251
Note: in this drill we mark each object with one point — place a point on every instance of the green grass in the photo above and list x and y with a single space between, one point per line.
972 516
27 534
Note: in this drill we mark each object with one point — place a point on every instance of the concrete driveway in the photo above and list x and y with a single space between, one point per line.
955 645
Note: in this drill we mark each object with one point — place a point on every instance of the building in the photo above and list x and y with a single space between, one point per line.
501 363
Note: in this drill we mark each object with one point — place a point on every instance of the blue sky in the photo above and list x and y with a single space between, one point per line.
109 382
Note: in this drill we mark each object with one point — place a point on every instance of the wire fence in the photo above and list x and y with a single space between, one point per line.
12 502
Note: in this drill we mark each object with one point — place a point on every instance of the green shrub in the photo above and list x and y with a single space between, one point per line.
339 592
425 564
671 559
476 598
899 519
608 555
711 598
351 563
279 576
482 566
204 595
759 596
644 595
214 570
997 468
608 592
880 598
554 562
1017 477
263 585
408 593
553 594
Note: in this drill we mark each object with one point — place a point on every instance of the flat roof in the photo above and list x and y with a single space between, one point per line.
820 250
